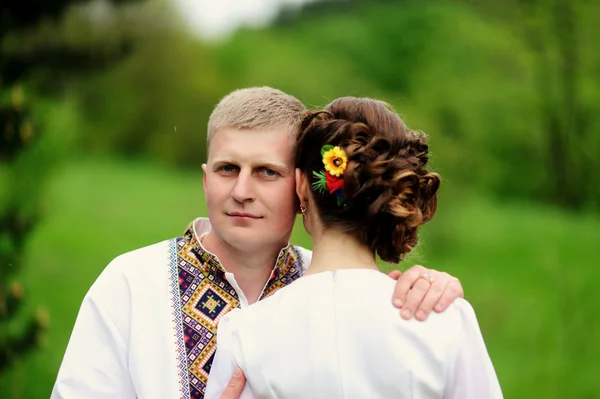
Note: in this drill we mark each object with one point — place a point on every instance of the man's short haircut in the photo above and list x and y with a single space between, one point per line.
256 108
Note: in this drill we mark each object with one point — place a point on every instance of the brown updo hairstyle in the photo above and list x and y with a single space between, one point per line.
388 191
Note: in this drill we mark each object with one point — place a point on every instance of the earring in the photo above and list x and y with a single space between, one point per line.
303 210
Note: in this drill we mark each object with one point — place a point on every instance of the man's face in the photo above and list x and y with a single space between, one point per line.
250 187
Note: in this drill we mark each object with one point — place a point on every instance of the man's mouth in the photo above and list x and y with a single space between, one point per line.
243 215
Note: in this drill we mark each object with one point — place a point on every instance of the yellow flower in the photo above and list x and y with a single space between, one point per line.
335 161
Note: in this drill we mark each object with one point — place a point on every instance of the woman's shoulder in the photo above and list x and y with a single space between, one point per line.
460 314
445 328
367 292
299 298
370 293
281 302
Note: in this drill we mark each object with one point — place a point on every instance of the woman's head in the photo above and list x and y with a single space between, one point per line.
387 191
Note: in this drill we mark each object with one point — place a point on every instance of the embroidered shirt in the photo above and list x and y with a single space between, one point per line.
207 292
146 328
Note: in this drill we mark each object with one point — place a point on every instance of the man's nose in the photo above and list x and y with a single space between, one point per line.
243 189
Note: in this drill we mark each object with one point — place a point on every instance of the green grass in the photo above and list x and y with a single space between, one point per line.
527 271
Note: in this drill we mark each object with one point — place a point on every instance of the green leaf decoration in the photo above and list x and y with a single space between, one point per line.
326 148
321 184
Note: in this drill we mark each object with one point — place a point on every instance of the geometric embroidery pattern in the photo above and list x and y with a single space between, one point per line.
205 297
184 389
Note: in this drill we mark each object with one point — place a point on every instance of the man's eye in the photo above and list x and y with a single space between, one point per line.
269 172
228 168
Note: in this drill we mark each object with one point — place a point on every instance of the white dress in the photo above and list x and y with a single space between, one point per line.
336 335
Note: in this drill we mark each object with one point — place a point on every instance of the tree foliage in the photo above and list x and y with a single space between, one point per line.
33 58
505 89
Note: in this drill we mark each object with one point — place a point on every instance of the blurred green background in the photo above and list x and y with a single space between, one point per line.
104 109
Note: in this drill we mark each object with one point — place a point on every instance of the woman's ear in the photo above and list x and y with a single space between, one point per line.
301 186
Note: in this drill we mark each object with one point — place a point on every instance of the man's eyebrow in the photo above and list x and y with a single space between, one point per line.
223 160
273 165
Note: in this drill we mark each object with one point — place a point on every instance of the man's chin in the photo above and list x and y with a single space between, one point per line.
252 240
242 236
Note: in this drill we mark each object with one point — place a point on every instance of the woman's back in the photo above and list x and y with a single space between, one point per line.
364 190
336 335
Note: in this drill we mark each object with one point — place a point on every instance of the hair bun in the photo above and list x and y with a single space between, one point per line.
387 189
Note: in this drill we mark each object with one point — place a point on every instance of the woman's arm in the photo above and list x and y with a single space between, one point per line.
225 364
471 374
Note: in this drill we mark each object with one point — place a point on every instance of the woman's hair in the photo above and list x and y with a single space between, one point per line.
387 190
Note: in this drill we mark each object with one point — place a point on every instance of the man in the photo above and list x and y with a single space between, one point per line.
146 328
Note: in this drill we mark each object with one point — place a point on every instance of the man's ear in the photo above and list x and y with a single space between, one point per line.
204 178
301 186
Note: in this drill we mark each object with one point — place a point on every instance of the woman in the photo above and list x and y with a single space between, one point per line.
364 190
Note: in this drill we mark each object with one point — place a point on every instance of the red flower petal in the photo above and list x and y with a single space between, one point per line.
334 183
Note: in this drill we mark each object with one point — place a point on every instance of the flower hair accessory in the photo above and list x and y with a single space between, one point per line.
331 178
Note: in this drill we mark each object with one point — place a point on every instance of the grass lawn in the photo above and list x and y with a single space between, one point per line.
528 271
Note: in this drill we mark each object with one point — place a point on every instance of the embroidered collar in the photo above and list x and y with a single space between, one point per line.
198 228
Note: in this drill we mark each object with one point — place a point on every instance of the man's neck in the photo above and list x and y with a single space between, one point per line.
251 268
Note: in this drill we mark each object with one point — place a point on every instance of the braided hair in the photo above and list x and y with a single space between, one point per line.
388 191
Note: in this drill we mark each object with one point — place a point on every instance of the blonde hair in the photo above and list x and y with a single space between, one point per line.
256 108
